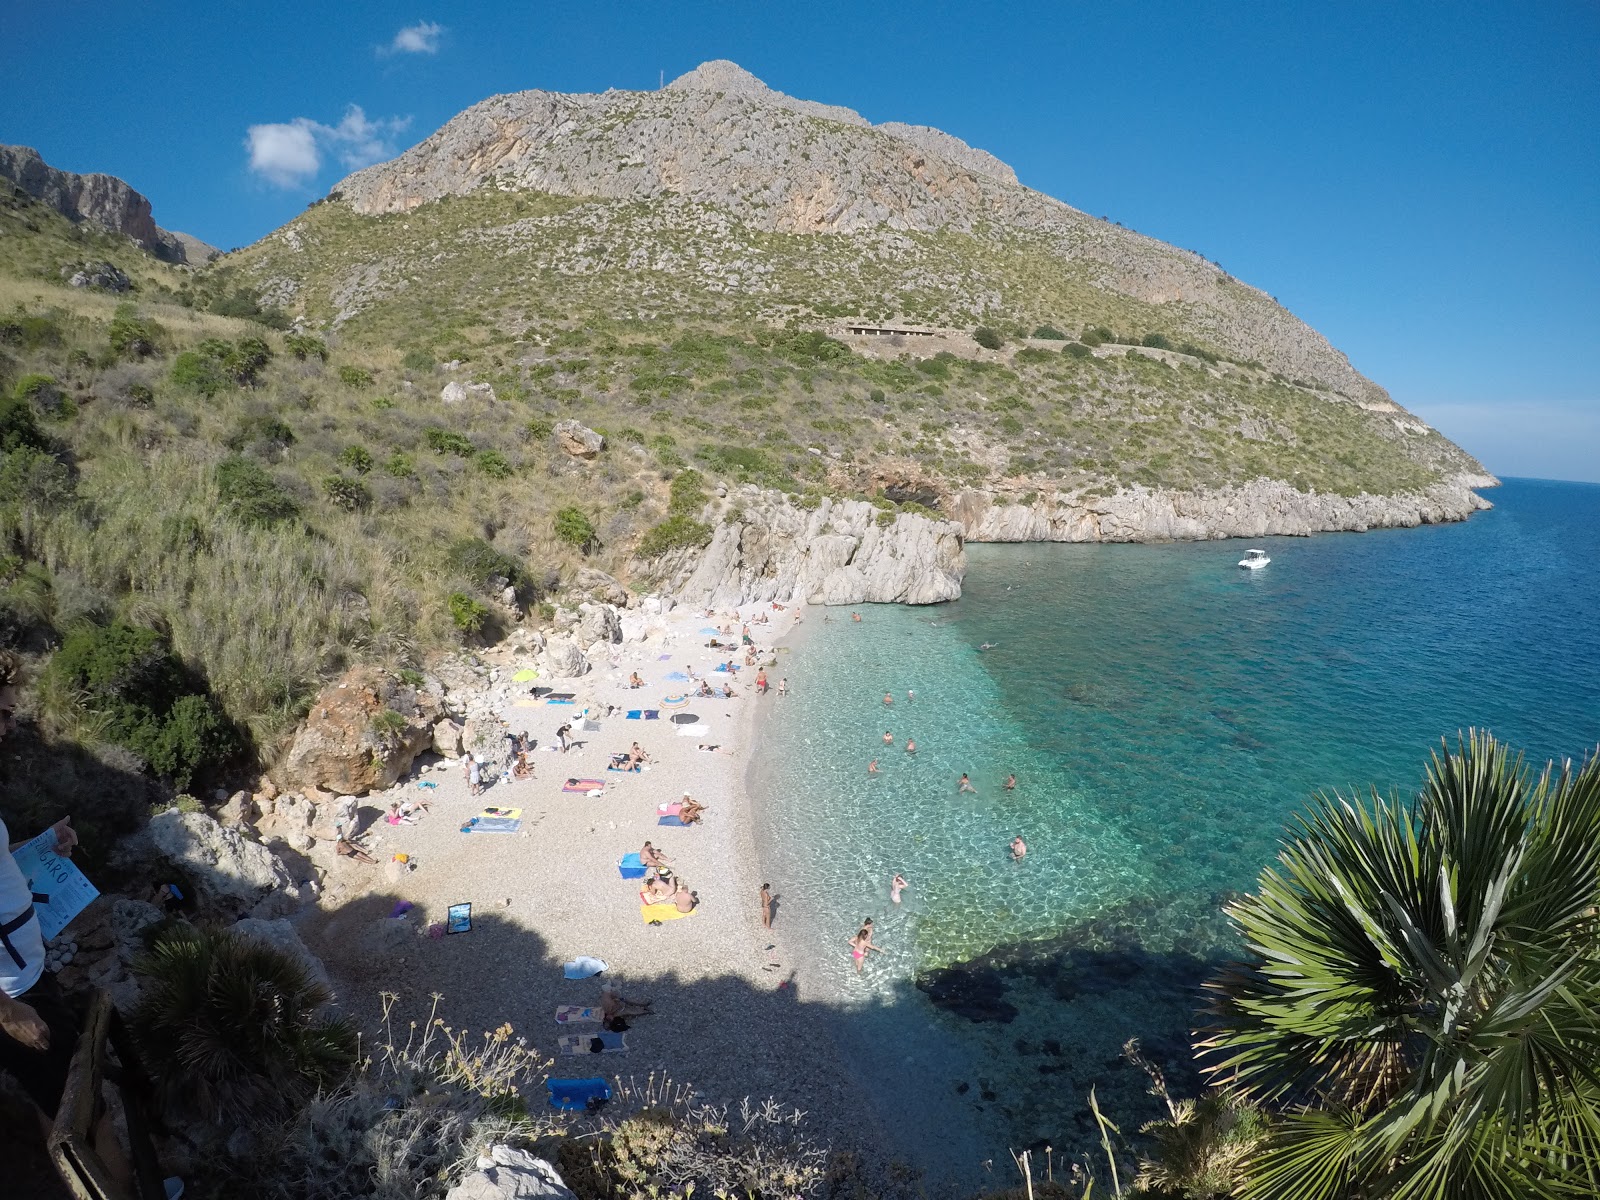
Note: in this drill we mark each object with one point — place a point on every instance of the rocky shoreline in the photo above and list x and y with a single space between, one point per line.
766 547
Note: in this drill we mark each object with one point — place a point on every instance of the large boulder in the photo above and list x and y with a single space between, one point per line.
598 623
600 586
505 1173
226 868
563 659
579 440
360 735
447 739
454 392
101 275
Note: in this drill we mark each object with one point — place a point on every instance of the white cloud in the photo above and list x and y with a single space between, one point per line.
421 38
290 154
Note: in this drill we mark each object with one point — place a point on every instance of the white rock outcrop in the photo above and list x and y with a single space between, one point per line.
506 1173
836 553
225 867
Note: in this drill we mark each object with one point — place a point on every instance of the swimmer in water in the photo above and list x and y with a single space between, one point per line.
872 767
965 785
855 617
911 746
910 695
887 699
1011 783
888 738
897 885
1019 849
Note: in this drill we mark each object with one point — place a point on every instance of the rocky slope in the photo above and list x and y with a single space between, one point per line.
102 200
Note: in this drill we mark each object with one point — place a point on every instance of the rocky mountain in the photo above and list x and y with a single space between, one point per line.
101 200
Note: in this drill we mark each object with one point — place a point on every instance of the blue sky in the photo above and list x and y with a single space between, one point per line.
1419 181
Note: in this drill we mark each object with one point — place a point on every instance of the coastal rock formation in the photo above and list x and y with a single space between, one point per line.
836 553
1260 508
506 1173
226 868
102 200
579 440
361 733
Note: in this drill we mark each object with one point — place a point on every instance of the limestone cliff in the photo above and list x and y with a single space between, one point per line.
102 200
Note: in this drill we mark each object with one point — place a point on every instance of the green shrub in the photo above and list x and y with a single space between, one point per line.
687 494
493 464
988 338
574 528
229 1027
1034 354
357 458
388 725
538 429
412 679
479 562
304 346
876 395
262 431
383 403
125 684
1097 335
36 479
1077 350
31 333
131 337
467 613
243 360
1156 341
417 359
349 494
356 377
810 346
444 441
676 531
401 465
251 495
1050 333
19 425
141 395
198 372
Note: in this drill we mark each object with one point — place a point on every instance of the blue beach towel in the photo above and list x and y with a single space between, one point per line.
553 701
663 657
676 677
710 632
670 820
634 714
583 966
576 1095
631 866
652 714
492 825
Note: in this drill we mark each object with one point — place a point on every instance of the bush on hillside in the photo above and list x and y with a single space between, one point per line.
36 479
44 394
443 441
401 465
676 532
1077 350
481 564
304 346
357 458
493 464
198 372
262 432
1050 333
19 426
131 337
252 496
575 529
356 377
349 494
468 614
31 332
988 338
417 359
1156 341
125 686
230 1029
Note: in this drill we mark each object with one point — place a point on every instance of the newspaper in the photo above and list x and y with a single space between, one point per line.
67 890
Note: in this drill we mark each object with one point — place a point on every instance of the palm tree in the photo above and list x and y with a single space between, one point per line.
229 1026
1423 996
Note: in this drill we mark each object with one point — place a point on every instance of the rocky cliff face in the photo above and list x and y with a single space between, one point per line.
837 553
102 200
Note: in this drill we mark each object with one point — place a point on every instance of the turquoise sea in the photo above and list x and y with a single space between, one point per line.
1164 713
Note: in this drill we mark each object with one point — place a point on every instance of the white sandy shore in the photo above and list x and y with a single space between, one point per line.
736 1015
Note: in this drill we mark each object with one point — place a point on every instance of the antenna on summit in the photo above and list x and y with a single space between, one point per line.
663 83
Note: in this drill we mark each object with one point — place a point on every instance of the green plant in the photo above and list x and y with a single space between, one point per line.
411 678
19 425
252 496
467 613
229 1026
988 338
676 532
443 441
388 725
262 431
538 429
304 346
493 464
130 337
198 372
478 561
417 359
349 494
1077 350
357 458
574 528
1050 333
401 465
1157 341
355 377
1424 989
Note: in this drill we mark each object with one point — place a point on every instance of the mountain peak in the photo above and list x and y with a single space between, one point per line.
720 75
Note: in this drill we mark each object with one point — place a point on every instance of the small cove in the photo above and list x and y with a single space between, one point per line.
1165 714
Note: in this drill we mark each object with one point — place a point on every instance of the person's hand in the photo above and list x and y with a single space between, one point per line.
25 1026
66 837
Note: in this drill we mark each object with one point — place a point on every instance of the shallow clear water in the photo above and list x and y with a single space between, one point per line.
1164 713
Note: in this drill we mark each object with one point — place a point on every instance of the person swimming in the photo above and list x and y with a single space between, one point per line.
911 746
1011 783
888 738
897 885
1019 849
872 767
965 785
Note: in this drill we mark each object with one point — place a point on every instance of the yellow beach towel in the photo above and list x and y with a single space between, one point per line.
662 912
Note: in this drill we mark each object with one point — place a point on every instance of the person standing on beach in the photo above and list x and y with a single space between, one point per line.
474 775
897 885
766 906
965 785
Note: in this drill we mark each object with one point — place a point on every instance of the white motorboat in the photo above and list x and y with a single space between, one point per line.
1254 560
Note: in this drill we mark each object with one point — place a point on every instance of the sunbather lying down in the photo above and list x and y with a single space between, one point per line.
630 760
669 890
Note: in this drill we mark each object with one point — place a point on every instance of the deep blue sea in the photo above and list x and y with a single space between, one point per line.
1165 713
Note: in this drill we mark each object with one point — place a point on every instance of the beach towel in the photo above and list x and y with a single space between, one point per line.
502 820
426 783
652 714
663 657
676 677
583 967
576 1095
627 770
631 866
710 632
583 785
671 809
577 1014
592 1043
553 700
670 819
654 913
633 714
